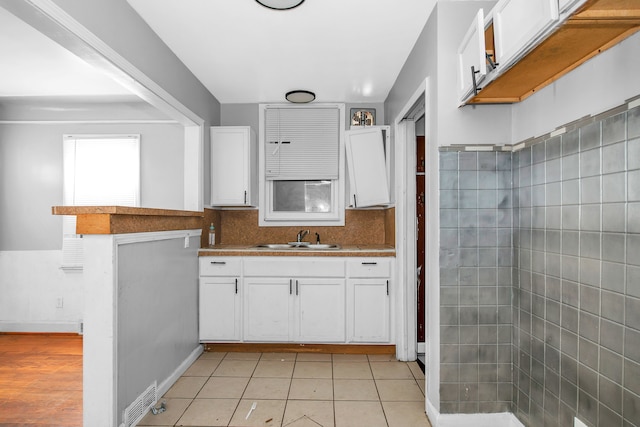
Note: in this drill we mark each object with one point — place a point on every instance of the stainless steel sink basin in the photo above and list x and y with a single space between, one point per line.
322 246
296 246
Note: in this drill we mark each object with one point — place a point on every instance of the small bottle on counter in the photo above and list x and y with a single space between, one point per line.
212 235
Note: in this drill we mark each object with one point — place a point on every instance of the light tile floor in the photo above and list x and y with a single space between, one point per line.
295 390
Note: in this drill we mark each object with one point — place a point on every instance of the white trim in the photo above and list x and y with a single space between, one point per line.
181 369
193 168
40 327
125 239
338 197
88 122
502 419
432 220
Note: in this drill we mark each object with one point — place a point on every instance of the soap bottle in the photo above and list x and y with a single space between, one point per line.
212 235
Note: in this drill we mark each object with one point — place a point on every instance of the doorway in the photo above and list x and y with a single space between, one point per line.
420 239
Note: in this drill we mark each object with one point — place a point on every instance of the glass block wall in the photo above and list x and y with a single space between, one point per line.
540 277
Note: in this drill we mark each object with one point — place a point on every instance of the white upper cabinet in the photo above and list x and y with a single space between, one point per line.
518 24
233 166
472 63
567 5
367 165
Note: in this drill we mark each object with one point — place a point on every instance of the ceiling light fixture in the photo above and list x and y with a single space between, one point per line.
280 4
300 96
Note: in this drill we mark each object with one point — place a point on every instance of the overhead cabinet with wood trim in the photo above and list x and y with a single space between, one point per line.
522 46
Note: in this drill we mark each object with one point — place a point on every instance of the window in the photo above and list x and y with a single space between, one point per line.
301 165
99 170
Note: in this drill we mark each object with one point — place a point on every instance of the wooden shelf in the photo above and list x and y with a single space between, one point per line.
597 26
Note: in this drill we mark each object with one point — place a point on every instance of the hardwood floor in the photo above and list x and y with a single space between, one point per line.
40 380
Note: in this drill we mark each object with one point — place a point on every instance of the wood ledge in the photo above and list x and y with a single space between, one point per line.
124 219
301 348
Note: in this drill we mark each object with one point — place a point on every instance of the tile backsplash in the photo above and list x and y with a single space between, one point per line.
559 222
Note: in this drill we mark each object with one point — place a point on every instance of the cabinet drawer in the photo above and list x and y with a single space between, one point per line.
293 267
369 267
220 266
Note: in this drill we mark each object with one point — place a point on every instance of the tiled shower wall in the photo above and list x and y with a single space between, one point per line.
475 277
577 275
540 277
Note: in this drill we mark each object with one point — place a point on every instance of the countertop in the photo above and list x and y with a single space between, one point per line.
344 251
125 219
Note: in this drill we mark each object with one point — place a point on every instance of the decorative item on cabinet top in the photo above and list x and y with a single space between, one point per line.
363 116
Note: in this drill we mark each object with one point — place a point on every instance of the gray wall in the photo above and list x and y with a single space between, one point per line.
577 275
31 175
157 313
434 57
475 282
248 114
117 24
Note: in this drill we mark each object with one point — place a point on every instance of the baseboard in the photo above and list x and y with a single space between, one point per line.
422 348
165 385
503 419
301 348
41 327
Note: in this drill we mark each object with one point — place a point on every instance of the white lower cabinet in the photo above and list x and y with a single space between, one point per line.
368 300
300 310
320 310
268 309
295 299
219 300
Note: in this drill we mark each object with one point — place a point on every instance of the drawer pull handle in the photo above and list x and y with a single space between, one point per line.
218 262
296 287
369 263
237 286
290 286
387 287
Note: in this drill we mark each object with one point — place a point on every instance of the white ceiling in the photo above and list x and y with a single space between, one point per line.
343 50
34 65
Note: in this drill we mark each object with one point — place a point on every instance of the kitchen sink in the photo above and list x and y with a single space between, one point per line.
297 246
275 246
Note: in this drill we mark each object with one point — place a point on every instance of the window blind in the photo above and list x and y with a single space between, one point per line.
302 143
99 170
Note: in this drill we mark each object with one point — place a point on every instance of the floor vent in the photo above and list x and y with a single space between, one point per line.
139 407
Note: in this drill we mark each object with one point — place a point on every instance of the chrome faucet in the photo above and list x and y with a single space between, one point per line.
302 234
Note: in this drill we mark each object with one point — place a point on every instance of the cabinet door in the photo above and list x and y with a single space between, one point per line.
367 167
369 310
230 166
320 310
219 306
267 309
471 53
518 24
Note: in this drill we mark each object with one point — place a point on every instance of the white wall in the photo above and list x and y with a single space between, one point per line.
604 82
30 284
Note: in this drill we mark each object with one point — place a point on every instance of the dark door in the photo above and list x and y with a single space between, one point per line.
420 211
